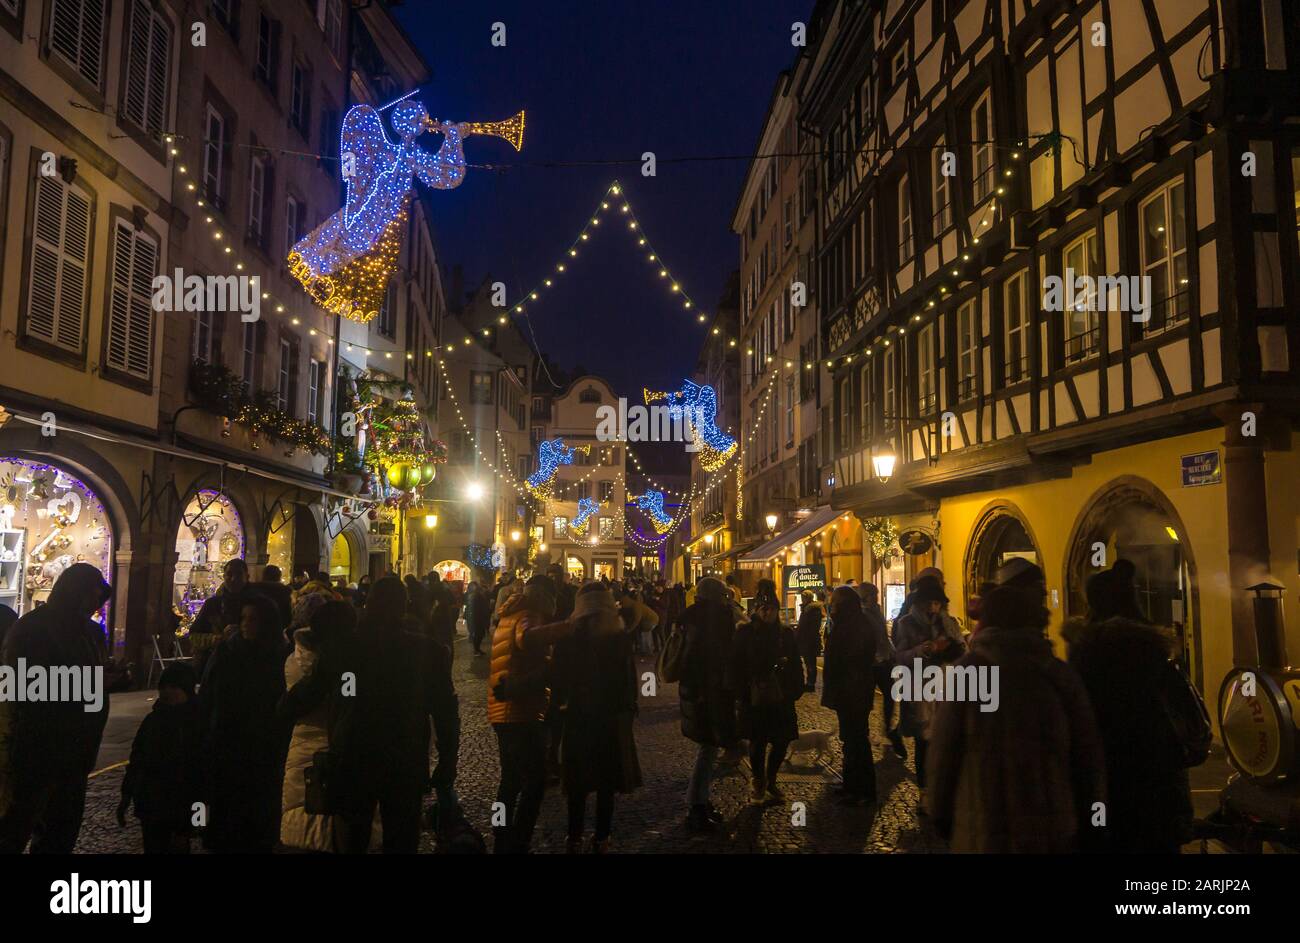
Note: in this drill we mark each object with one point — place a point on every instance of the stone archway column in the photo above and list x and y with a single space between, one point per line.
1246 493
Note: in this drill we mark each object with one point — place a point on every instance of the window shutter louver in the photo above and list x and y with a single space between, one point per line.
131 314
77 35
60 253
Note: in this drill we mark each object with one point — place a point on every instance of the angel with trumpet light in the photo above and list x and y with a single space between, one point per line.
698 405
345 263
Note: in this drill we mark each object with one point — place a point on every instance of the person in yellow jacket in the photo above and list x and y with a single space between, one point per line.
518 696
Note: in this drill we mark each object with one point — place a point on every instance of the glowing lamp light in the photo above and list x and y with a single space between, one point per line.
882 463
708 539
474 491
515 535
771 521
430 521
542 547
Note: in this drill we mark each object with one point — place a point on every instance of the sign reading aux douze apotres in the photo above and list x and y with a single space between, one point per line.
811 576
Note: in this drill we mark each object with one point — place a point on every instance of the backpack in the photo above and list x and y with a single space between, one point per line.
671 655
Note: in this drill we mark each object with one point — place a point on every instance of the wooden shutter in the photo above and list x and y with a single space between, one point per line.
131 313
56 299
148 46
77 35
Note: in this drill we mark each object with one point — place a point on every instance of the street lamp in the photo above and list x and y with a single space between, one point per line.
708 539
771 520
515 535
542 548
883 461
474 491
430 521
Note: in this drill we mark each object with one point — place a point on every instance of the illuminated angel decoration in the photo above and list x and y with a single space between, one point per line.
586 508
698 405
652 504
551 454
346 262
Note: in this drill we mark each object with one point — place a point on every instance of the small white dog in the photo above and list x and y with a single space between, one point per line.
811 743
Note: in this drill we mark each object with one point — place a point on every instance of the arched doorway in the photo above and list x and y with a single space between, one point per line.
1001 534
1131 519
210 534
49 520
453 571
576 569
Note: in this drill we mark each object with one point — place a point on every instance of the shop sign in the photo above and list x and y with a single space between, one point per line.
811 576
915 542
379 543
1202 468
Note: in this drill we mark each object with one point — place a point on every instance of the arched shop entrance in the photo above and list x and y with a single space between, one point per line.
1001 534
49 520
210 534
344 558
453 571
576 569
293 541
1133 520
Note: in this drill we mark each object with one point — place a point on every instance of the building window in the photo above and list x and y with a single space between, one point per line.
865 417
1082 324
315 390
904 221
144 97
889 388
329 139
77 36
203 340
942 193
257 188
1164 258
559 528
334 27
214 158
285 376
789 412
129 345
981 135
480 387
226 13
300 100
925 375
606 491
967 349
386 321
606 528
1015 328
58 282
250 355
898 67
846 414
268 43
292 214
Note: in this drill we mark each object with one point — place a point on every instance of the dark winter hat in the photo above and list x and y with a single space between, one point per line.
78 579
178 675
540 586
928 589
766 595
711 589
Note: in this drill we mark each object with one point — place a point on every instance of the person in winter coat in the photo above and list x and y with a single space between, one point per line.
809 634
882 669
245 742
769 679
442 613
595 690
706 693
7 618
220 612
565 592
925 633
320 626
280 594
47 748
419 602
848 689
478 614
1025 777
164 779
1126 666
379 727
518 697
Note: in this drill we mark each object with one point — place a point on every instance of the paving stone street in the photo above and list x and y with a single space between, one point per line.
649 820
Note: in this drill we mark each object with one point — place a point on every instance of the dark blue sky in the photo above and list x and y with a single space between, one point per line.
601 81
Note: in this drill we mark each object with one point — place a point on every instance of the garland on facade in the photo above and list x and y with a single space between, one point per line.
881 534
218 390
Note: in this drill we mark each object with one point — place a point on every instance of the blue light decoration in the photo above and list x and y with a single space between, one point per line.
480 556
551 454
698 405
586 508
652 504
346 262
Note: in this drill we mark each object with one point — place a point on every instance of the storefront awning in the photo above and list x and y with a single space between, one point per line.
765 554
735 552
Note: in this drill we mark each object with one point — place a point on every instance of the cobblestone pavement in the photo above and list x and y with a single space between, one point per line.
652 818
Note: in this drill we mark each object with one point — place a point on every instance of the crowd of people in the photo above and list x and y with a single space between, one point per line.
307 716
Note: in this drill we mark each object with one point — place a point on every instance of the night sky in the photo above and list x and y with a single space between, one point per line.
604 81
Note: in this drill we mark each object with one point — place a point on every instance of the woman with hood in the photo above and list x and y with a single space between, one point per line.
769 679
595 689
706 693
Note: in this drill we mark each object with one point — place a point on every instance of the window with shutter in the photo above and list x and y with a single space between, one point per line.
144 99
130 306
203 337
256 199
10 6
290 225
56 298
282 386
214 154
250 355
77 36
